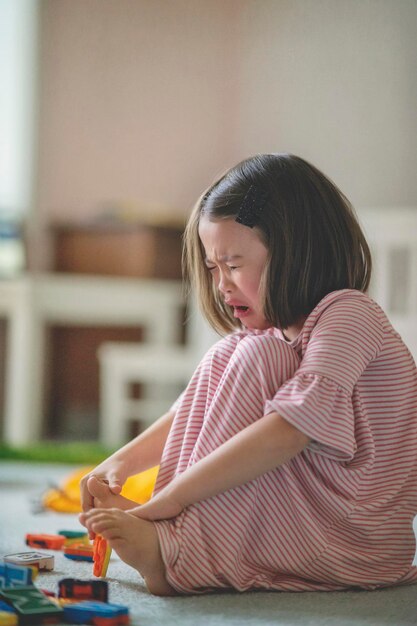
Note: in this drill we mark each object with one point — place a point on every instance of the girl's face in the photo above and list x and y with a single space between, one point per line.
236 258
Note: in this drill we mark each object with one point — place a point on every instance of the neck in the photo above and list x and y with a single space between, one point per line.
291 332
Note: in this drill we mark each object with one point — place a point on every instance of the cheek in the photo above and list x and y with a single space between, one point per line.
253 289
255 280
256 288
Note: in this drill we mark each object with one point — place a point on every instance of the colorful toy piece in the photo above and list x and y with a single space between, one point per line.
31 605
50 542
83 589
6 607
8 619
97 613
101 556
74 537
79 552
72 534
39 560
16 575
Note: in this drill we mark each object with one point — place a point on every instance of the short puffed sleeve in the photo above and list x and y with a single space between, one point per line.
340 338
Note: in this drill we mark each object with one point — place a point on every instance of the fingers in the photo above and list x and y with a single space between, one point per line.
100 487
87 500
115 487
114 483
82 518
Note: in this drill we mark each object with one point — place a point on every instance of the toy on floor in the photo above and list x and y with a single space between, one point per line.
97 613
83 589
31 605
6 607
50 594
8 619
72 537
79 552
12 575
101 556
39 560
49 542
72 534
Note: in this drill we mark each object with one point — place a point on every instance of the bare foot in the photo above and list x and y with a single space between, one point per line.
104 498
136 542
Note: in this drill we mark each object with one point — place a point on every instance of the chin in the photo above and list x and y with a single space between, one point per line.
261 325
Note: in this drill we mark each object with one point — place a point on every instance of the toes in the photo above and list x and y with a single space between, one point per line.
92 517
102 525
112 523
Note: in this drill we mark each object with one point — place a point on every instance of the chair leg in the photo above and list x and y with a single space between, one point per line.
113 391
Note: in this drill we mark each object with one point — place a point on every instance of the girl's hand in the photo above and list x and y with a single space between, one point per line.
162 506
110 473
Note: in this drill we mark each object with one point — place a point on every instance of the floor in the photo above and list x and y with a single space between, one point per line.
21 485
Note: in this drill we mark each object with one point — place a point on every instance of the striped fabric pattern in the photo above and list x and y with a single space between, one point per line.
340 513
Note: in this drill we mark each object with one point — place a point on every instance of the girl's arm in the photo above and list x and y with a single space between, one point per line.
141 453
262 446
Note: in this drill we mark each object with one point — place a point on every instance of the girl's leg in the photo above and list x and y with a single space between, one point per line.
226 395
225 541
241 384
237 375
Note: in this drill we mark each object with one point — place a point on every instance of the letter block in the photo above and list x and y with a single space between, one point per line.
97 613
16 575
31 605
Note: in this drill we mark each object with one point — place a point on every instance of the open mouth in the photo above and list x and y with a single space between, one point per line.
241 308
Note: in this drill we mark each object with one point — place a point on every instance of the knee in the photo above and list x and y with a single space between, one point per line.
222 349
265 344
271 355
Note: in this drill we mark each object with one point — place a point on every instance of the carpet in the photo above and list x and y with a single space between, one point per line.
21 484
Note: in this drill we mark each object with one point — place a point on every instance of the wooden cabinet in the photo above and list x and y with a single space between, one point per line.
141 251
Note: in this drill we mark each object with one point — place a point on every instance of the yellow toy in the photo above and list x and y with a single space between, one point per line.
8 619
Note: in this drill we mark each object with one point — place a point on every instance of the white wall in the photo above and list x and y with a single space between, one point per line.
335 81
145 101
136 102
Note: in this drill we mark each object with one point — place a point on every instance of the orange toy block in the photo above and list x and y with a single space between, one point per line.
49 542
101 556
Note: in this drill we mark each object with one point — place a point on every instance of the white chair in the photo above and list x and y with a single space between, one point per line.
32 302
162 371
392 236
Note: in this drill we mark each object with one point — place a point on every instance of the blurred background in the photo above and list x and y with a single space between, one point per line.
114 117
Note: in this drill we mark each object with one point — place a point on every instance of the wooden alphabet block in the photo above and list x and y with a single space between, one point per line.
16 575
31 605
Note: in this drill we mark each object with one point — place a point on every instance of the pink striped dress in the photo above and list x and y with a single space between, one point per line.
340 513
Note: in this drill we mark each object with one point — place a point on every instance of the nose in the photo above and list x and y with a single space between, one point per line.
225 283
